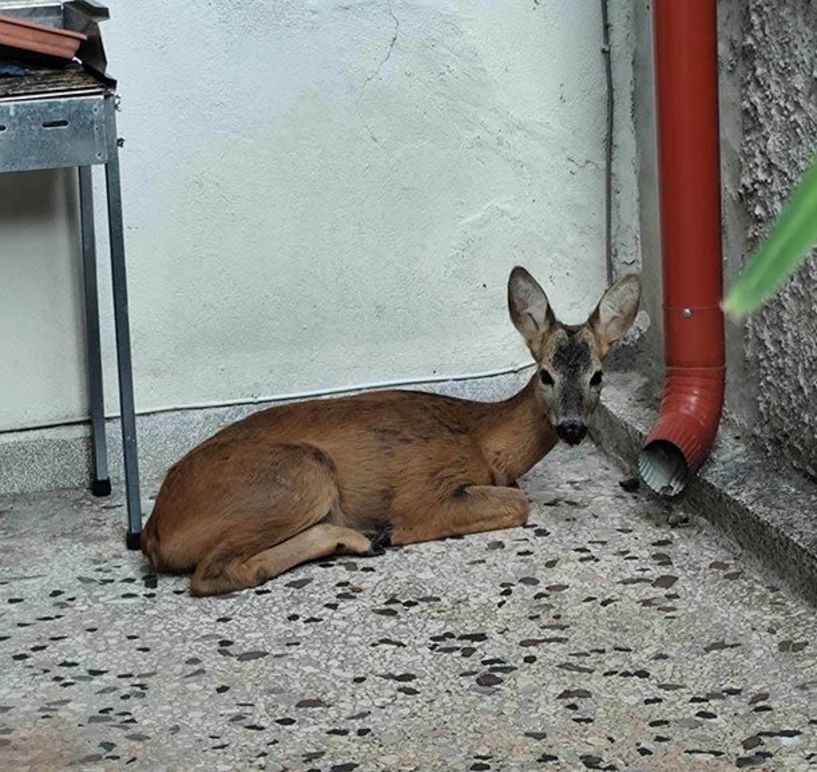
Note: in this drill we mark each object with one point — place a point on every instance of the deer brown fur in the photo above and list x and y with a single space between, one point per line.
353 474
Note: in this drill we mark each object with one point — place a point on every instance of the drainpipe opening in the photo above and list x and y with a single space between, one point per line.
662 467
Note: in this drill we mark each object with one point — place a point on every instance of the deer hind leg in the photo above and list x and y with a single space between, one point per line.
227 501
286 497
222 572
477 508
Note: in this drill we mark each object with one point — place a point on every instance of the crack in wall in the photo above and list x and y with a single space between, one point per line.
379 68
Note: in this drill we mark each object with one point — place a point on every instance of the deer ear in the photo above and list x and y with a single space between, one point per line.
530 311
616 311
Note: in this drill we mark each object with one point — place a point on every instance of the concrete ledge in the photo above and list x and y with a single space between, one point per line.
769 511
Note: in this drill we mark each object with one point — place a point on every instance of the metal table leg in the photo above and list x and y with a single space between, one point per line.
101 482
123 352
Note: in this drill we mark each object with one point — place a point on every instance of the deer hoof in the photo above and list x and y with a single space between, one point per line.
380 538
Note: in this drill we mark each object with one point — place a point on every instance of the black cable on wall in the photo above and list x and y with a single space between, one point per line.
608 161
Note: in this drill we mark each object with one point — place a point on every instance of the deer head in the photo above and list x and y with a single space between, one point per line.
569 357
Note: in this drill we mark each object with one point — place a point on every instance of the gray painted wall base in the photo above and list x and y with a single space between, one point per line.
767 510
55 458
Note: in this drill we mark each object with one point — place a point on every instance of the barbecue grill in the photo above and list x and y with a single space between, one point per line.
56 115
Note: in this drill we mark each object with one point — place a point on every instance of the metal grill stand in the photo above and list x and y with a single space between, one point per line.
67 118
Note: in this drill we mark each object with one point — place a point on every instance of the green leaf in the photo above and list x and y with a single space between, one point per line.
781 252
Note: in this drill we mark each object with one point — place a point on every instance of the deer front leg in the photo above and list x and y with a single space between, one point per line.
475 509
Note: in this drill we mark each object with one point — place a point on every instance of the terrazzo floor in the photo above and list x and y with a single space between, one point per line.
598 637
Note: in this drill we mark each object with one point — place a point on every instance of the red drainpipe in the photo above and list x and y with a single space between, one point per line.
685 43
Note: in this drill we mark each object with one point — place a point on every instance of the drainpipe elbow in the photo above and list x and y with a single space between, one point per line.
683 434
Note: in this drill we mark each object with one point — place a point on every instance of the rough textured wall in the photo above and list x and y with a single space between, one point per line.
318 194
630 45
625 209
779 140
740 402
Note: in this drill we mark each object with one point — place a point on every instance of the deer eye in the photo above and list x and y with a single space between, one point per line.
546 377
596 379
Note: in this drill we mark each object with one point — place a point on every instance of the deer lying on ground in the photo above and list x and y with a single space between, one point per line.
355 474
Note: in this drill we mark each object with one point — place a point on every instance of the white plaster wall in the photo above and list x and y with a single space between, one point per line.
318 193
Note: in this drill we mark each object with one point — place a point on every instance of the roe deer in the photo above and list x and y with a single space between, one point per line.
354 474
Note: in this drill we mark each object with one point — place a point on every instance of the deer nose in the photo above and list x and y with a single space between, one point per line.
572 432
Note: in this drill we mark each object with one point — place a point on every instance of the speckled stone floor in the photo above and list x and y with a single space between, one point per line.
598 637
